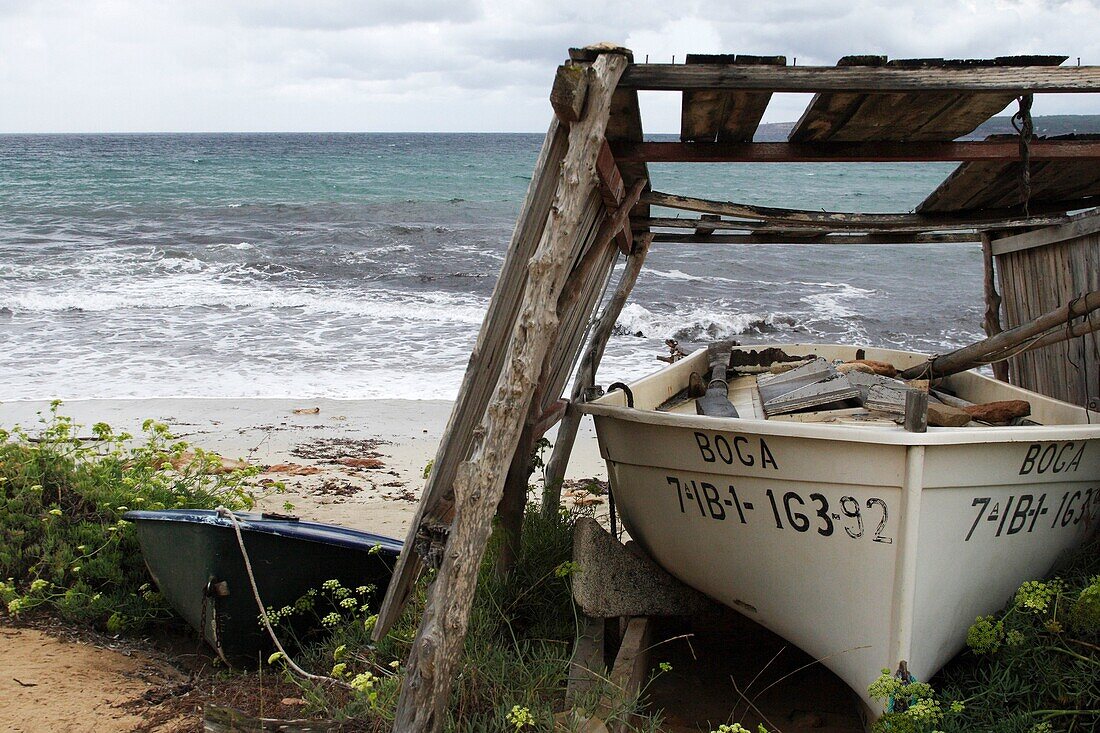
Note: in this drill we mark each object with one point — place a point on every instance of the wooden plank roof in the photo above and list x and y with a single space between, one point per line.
869 108
912 115
716 115
999 185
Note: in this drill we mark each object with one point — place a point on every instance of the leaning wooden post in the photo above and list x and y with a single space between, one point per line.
586 376
480 479
992 322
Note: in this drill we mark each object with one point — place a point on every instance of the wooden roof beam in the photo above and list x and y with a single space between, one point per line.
836 220
708 225
1011 79
788 238
852 152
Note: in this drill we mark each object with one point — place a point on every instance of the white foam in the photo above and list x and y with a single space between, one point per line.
695 324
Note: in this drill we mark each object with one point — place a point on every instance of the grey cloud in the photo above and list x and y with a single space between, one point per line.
334 15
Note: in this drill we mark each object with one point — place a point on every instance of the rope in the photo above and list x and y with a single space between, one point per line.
223 512
1025 128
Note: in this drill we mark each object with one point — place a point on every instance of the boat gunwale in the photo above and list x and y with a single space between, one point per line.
303 530
846 433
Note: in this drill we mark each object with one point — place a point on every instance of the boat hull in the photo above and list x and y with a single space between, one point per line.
863 548
190 552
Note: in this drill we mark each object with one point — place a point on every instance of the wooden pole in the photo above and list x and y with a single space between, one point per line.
480 479
992 322
1035 334
436 504
586 375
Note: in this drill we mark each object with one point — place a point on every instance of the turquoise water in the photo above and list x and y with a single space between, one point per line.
356 266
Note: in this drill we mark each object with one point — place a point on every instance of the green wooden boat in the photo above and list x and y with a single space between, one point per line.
196 560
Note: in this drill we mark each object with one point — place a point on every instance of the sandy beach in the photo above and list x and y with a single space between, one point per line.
324 451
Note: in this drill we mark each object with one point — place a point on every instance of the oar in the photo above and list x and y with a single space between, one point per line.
1050 328
716 402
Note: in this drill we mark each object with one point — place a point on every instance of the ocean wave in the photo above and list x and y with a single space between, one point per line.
188 291
698 324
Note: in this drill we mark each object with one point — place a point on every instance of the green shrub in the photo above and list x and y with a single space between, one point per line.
64 544
1034 667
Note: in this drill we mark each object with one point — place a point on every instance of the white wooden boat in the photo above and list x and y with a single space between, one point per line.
860 542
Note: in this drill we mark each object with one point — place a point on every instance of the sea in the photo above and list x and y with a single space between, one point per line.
359 266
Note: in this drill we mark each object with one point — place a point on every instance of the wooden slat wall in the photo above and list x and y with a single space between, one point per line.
713 115
1040 279
844 117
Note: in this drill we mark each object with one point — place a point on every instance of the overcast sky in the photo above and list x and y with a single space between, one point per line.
450 65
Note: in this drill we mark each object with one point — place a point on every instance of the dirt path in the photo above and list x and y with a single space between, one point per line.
53 685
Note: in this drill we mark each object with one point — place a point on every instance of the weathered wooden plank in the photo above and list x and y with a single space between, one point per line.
568 93
479 482
630 669
612 188
1009 79
838 239
846 220
586 375
712 115
827 111
997 150
1078 227
587 667
991 323
907 116
1066 183
625 125
436 504
710 223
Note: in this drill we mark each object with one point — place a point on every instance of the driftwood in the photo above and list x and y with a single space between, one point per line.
1050 328
480 479
586 376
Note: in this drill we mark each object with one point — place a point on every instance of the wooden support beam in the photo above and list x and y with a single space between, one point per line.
1051 327
711 223
435 511
1011 79
629 671
549 418
851 152
619 219
587 667
797 238
586 375
839 221
612 191
479 482
992 320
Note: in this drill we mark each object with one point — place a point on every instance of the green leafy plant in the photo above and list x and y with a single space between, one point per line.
1035 666
64 543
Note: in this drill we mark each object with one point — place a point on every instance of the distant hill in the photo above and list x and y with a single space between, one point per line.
1045 125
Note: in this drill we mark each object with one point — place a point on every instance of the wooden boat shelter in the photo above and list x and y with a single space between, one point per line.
1030 202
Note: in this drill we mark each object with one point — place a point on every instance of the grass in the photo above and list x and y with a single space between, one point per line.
516 655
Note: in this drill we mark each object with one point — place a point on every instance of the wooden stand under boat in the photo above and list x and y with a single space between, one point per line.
590 200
